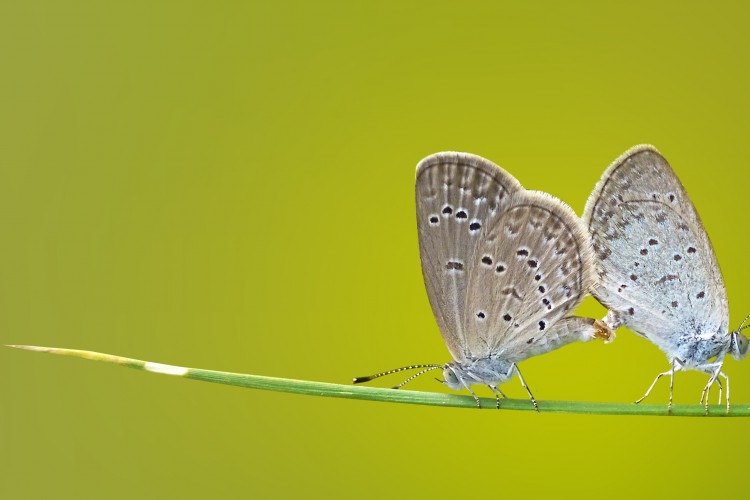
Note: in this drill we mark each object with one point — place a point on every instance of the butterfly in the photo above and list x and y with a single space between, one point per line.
658 271
503 268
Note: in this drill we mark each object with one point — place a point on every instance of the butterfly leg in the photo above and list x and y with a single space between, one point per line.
523 383
721 388
468 388
726 379
476 398
707 391
652 385
676 366
498 393
721 391
713 369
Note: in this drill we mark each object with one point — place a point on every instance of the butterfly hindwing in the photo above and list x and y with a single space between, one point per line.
658 270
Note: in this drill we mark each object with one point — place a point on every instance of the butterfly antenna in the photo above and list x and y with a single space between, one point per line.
359 380
421 372
743 325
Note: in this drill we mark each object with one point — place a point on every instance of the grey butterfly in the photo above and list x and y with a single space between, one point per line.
503 267
659 275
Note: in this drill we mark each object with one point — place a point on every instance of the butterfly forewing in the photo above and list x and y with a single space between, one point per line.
459 197
500 263
657 267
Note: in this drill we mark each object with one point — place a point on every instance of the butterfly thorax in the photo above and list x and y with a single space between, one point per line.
696 350
490 371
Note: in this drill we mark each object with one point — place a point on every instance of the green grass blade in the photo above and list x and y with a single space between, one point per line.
393 396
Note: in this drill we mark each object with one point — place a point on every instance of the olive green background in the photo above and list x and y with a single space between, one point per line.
230 186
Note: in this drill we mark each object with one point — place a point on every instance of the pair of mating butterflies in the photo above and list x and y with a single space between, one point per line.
504 266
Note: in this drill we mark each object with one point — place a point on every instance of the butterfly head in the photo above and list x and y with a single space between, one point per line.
738 343
450 378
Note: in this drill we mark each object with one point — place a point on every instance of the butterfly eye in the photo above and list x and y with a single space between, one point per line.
450 378
739 346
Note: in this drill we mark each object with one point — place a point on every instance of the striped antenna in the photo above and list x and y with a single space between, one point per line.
359 380
421 372
743 325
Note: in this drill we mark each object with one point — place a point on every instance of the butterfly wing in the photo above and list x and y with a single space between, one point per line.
657 267
459 196
542 269
498 261
562 332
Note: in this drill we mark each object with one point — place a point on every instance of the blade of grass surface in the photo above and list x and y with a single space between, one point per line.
391 395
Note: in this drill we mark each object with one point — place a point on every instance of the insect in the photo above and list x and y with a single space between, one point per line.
658 271
503 266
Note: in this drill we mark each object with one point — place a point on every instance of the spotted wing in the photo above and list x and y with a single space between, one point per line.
498 261
657 267
534 265
564 331
459 196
